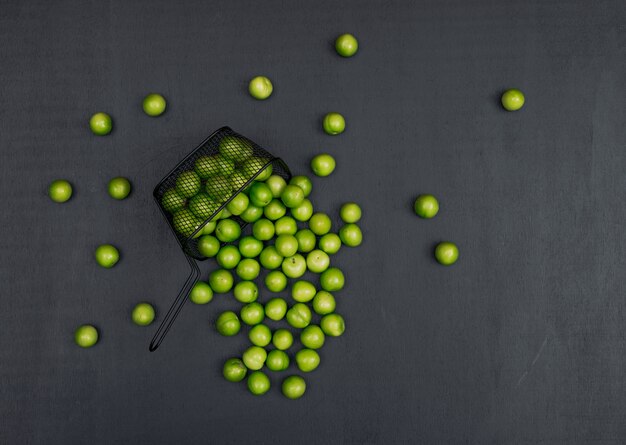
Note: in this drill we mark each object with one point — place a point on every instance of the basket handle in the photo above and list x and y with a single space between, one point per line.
176 306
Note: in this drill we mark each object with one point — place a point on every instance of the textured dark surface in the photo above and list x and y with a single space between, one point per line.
522 341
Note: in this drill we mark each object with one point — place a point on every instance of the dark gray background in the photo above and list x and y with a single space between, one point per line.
522 341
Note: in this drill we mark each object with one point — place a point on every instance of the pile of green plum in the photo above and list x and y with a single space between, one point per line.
265 271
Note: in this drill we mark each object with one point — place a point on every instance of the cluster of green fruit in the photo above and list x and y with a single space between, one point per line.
287 239
119 188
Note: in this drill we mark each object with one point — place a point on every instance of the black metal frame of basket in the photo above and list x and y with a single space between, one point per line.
208 147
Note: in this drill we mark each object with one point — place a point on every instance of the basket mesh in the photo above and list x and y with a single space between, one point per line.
202 184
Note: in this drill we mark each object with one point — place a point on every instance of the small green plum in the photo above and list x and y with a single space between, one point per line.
330 243
447 253
258 383
254 357
60 190
201 293
101 124
221 281
282 339
332 279
324 303
513 99
252 313
346 45
86 336
107 256
154 104
260 87
234 370
143 314
260 335
307 360
323 164
426 206
333 325
334 123
275 309
293 387
228 324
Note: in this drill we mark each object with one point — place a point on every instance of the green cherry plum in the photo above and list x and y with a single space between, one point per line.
228 257
332 279
274 210
447 253
350 212
263 229
303 182
323 164
293 387
299 316
317 261
294 266
246 291
277 360
154 105
227 230
107 256
426 206
248 269
285 226
346 45
208 246
351 235
303 291
276 184
333 325
275 309
172 201
252 214
307 360
60 190
227 324
143 314
221 281
260 335
254 357
330 243
320 224
292 196
312 337
306 240
260 87
258 383
188 184
282 339
286 245
250 247
513 99
303 212
252 313
101 124
334 123
201 293
234 370
324 303
270 258
86 336
119 188
238 204
275 281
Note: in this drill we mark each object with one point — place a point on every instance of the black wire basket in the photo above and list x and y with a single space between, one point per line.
198 190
